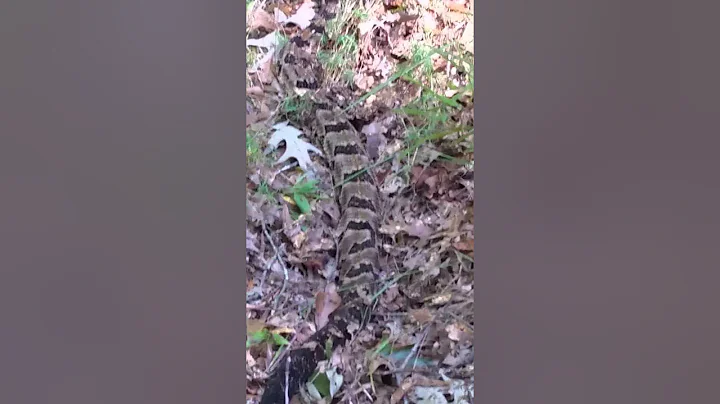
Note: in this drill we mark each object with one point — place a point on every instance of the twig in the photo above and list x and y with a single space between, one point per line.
255 307
287 167
415 348
287 380
282 354
429 371
268 264
412 353
279 260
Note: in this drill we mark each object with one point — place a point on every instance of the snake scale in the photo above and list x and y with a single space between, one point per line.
358 199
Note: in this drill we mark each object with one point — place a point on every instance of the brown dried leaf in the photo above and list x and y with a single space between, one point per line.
302 18
250 240
304 333
462 357
331 208
287 320
291 229
326 302
254 91
254 325
458 6
249 360
314 264
391 299
261 19
458 332
415 261
264 71
422 316
397 396
466 246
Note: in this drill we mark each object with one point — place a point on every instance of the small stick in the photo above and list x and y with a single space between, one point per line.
412 353
287 380
282 354
279 259
415 348
268 264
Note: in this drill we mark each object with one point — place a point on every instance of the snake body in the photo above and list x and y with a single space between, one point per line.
358 199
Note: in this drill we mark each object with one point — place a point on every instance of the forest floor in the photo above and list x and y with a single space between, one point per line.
412 61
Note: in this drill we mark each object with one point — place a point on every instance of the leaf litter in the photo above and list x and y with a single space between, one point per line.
427 234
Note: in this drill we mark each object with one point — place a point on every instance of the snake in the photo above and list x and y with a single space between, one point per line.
356 194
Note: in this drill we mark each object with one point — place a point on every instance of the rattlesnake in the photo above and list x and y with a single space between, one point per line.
357 196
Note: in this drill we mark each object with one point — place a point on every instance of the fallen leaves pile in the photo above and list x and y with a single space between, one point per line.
418 345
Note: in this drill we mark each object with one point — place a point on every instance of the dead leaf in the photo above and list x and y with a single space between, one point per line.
455 16
458 332
264 70
405 17
458 6
261 19
468 37
428 395
419 229
462 357
422 316
415 261
254 91
366 26
466 246
284 330
364 82
304 333
269 41
249 360
254 325
405 386
261 62
255 117
331 208
326 302
429 22
336 381
314 264
440 299
302 17
340 357
294 146
292 229
392 184
389 299
374 132
287 320
250 239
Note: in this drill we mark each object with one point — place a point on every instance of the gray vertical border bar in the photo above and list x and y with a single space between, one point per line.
121 201
243 207
597 202
479 268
